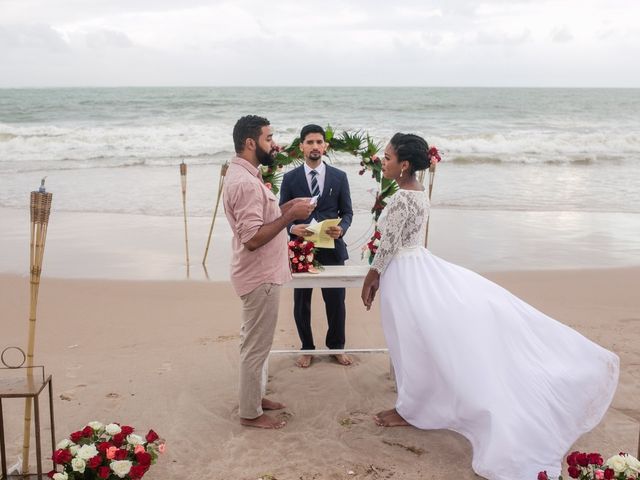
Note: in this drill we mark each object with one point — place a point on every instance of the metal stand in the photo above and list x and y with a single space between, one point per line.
26 386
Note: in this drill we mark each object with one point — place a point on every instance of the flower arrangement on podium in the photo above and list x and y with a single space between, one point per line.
591 466
302 256
106 452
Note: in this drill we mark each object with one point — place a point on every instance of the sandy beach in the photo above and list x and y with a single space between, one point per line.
164 355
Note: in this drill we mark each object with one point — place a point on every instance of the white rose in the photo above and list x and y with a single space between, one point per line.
74 449
97 426
78 465
87 451
134 439
113 429
633 465
60 476
617 463
66 443
121 467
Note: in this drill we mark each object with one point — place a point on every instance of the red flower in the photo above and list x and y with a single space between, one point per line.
434 155
121 454
595 459
571 459
609 474
143 458
51 473
361 172
76 436
377 235
102 447
87 431
574 472
151 436
126 430
62 456
104 472
117 439
94 462
582 459
137 471
543 476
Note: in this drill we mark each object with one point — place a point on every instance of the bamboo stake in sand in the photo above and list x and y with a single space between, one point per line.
223 172
432 174
183 181
40 209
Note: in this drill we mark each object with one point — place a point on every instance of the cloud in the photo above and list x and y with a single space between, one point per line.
503 38
100 39
42 37
561 35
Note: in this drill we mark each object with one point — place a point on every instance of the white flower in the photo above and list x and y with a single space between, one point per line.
121 467
78 465
134 439
60 476
113 429
97 426
617 463
66 443
87 451
74 449
633 465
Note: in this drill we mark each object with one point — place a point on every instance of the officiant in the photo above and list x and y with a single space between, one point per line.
315 178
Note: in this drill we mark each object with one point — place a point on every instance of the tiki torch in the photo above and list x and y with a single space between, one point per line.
183 182
40 209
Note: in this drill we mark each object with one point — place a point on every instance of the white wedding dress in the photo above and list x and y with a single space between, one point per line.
471 357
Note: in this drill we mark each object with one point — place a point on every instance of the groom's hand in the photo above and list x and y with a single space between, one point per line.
300 230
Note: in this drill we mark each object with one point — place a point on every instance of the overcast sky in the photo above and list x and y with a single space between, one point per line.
585 43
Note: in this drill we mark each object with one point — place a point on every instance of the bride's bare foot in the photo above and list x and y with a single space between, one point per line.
392 419
343 359
271 405
263 421
304 361
380 415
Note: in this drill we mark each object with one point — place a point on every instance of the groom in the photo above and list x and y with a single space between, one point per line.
316 178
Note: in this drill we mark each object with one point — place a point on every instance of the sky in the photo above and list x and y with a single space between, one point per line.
520 43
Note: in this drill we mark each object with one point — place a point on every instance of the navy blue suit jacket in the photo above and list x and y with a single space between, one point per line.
335 201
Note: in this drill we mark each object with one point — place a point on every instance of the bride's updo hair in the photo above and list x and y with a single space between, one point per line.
412 148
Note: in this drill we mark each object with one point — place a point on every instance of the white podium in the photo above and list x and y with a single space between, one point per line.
331 276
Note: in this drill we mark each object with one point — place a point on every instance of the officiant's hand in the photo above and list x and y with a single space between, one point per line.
334 232
300 230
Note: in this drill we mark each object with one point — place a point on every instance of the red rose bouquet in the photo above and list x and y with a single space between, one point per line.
591 466
106 452
302 256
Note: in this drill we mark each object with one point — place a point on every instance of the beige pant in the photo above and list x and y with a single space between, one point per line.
259 317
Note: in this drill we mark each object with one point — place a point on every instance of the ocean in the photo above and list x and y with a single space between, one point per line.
543 154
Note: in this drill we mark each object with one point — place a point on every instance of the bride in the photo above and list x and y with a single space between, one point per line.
471 357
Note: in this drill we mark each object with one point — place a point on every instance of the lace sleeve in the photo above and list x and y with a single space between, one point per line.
391 225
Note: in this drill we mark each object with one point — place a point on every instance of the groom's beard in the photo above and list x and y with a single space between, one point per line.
265 158
315 156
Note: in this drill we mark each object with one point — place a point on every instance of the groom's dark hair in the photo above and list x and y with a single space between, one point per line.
311 128
412 148
249 126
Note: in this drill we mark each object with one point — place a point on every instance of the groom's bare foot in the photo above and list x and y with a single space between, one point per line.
304 361
392 419
263 421
343 359
271 405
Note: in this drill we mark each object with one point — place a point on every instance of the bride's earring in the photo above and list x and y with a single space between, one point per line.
401 172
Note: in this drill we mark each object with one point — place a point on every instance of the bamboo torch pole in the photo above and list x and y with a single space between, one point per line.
223 172
40 210
183 181
432 174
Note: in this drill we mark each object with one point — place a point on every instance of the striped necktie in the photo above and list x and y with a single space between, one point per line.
315 189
